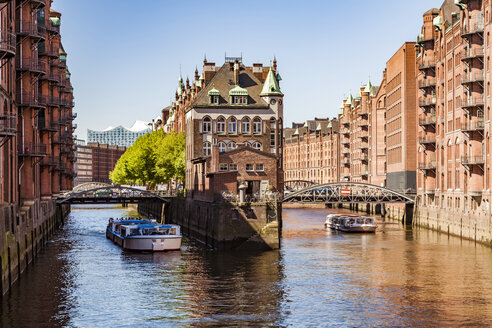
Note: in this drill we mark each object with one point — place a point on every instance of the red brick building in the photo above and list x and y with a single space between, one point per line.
36 101
226 108
95 161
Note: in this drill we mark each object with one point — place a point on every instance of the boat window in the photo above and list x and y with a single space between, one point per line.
360 221
173 231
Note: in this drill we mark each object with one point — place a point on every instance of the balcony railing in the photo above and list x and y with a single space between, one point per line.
362 112
345 150
472 53
427 102
345 131
67 103
345 161
74 126
472 77
48 50
429 165
74 116
29 64
8 124
472 102
427 83
54 101
428 120
30 28
28 149
364 134
47 126
427 64
472 160
427 140
363 123
53 77
421 38
28 99
473 28
53 28
7 44
472 126
364 145
49 160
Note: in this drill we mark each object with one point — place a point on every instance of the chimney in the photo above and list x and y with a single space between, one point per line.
214 163
208 71
274 64
236 72
258 71
196 74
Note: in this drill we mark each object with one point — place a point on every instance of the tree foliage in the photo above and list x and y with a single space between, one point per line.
153 159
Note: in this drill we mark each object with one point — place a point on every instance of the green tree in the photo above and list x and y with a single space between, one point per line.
154 158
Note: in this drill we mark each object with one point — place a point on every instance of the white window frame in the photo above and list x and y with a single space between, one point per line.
246 122
223 167
256 145
231 145
260 167
233 167
251 169
232 123
207 125
221 125
257 126
222 147
207 148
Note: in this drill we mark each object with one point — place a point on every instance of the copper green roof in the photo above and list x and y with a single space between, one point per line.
180 85
368 87
318 128
63 58
55 21
330 125
296 133
271 87
438 22
213 92
349 100
359 94
237 91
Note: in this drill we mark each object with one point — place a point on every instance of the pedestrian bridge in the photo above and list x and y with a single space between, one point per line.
113 195
343 192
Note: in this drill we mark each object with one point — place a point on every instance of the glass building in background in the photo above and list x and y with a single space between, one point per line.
119 136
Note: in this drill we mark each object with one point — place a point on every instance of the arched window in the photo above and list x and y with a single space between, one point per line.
246 125
257 125
207 125
256 145
232 145
247 144
207 149
221 125
232 125
222 147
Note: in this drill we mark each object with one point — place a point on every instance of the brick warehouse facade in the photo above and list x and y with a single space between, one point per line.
36 142
453 57
428 124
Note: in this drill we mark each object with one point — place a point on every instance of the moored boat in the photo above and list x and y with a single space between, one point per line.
350 223
144 235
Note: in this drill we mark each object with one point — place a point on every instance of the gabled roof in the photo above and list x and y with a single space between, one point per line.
222 81
271 87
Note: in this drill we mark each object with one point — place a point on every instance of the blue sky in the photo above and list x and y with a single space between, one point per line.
125 58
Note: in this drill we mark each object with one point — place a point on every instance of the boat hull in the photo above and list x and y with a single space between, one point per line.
146 243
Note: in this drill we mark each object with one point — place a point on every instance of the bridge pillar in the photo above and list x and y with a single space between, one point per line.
408 217
368 208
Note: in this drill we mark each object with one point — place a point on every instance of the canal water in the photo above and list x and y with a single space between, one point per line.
319 278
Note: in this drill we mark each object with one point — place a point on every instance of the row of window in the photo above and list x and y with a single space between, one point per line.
223 146
248 167
232 125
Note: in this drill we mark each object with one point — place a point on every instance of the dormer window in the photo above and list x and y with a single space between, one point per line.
239 100
238 95
214 96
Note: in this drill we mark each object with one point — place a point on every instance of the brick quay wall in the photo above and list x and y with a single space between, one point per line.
254 226
24 234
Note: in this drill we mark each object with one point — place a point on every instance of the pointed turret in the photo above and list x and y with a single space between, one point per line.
368 87
271 87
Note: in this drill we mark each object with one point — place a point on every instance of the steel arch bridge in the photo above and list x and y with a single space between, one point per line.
90 185
297 184
112 195
346 192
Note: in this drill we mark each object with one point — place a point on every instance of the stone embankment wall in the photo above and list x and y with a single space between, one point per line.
23 234
224 225
476 226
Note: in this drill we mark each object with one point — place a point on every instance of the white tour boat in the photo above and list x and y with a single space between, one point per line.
144 235
350 223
